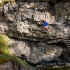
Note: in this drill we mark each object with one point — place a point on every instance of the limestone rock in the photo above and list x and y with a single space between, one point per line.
35 53
62 12
26 24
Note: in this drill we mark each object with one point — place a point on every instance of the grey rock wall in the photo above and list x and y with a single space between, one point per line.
62 12
12 66
25 23
36 52
28 23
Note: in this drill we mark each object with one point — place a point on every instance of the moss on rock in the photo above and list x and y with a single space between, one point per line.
4 51
4 40
4 58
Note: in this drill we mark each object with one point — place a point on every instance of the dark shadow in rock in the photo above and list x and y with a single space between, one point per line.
65 56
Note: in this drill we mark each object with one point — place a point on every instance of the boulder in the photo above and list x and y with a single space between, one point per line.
35 52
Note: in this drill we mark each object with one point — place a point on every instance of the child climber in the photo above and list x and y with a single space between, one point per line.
46 26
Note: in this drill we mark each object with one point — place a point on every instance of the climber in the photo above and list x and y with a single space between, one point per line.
46 26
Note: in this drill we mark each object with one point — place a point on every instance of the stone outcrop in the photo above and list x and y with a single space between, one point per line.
12 66
62 12
23 23
27 22
36 52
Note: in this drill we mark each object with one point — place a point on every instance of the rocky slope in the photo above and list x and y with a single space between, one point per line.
23 24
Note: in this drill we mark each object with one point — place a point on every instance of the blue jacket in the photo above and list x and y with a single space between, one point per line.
45 23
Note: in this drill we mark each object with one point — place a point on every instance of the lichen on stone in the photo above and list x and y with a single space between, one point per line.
4 51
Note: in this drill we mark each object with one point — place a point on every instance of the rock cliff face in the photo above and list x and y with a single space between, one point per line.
12 66
36 52
62 12
23 23
26 21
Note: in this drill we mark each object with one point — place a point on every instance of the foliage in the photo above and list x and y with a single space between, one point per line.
22 61
4 52
4 43
4 58
4 40
4 1
17 60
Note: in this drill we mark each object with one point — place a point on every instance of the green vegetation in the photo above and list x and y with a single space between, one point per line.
5 1
4 44
4 52
19 61
4 58
4 40
23 61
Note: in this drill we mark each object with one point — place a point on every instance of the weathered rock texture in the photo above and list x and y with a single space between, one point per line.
24 23
62 12
12 66
36 51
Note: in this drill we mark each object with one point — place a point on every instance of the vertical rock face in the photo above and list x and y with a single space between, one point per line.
27 21
62 12
12 66
23 23
36 52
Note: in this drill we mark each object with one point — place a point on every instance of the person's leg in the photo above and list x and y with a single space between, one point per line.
43 28
47 29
